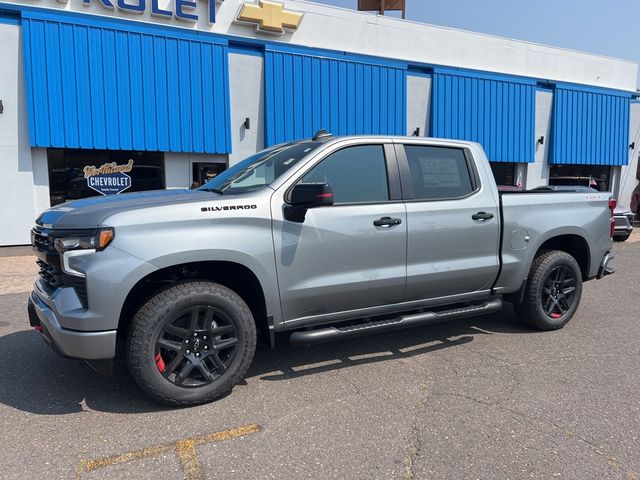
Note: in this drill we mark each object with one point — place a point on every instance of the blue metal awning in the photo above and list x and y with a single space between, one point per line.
590 126
102 84
496 111
344 94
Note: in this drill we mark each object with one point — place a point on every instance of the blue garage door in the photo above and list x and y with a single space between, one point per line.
99 84
590 127
497 112
345 95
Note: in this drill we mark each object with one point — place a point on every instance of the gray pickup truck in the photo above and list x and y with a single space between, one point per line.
328 238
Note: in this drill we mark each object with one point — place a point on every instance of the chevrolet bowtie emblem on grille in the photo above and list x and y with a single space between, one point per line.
270 17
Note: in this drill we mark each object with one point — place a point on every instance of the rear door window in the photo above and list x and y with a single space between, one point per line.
438 173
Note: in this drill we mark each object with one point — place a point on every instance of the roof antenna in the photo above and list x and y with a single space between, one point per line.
322 133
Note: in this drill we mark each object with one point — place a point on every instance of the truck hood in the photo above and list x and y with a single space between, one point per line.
90 212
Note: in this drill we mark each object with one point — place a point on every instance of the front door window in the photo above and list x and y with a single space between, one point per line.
356 175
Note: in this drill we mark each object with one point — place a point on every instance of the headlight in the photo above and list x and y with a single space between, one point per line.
94 240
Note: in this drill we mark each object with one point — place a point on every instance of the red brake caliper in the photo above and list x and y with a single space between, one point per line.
160 363
553 315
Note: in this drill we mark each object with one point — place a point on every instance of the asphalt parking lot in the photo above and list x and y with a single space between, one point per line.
484 398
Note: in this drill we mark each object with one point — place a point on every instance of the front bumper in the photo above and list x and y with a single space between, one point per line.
69 343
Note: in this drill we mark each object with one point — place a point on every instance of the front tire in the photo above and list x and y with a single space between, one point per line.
553 291
191 343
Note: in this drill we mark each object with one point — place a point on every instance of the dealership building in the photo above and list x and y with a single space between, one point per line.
107 96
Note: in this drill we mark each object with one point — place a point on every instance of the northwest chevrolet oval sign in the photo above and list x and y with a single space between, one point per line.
109 178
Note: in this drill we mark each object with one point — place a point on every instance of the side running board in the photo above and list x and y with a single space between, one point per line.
328 334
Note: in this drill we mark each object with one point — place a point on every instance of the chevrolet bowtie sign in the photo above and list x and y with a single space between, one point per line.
269 17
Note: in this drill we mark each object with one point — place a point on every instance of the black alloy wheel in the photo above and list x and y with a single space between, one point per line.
196 346
191 343
559 291
552 292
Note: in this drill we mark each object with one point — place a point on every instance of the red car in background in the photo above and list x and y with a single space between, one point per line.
635 201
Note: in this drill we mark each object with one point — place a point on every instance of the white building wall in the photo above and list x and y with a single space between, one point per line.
177 170
418 103
40 166
538 171
21 201
628 180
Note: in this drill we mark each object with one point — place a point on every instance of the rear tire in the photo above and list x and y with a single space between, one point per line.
553 291
191 343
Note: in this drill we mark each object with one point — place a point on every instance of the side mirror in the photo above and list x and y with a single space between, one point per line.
311 195
305 196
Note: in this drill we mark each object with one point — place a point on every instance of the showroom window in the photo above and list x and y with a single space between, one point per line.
205 171
504 172
75 173
595 176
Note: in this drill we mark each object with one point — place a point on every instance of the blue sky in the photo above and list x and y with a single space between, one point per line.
610 28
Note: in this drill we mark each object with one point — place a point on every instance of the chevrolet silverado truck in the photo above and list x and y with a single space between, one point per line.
329 238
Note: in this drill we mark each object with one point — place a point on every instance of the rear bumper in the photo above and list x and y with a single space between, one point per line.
622 230
623 224
69 343
605 269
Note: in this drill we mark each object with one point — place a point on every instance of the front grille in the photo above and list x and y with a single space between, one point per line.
48 258
50 274
50 270
42 241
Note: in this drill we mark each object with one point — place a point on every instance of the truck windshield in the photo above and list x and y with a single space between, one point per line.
260 169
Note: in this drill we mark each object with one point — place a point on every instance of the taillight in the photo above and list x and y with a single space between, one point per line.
612 224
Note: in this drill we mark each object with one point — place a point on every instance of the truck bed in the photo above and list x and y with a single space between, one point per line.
531 218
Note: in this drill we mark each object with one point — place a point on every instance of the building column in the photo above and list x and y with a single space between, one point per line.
418 103
537 173
628 173
246 93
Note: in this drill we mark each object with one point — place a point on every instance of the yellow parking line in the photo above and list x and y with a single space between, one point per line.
226 434
185 449
91 465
